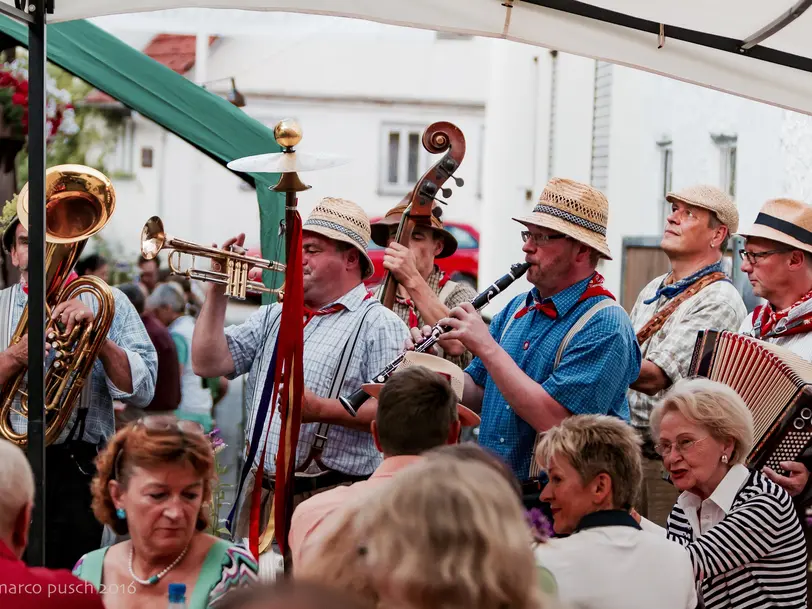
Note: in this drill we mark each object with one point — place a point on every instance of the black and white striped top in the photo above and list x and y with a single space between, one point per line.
755 557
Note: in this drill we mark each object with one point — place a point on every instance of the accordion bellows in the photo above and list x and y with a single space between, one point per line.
775 383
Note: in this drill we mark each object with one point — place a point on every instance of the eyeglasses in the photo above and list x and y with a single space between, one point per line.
159 423
682 446
754 257
540 240
169 423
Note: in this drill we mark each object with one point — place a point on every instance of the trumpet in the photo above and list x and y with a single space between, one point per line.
236 264
354 401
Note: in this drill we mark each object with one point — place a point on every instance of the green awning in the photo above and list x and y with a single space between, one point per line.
208 122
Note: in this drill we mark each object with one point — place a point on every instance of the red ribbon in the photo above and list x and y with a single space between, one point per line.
593 288
289 381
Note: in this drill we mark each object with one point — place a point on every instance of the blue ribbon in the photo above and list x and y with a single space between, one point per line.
669 291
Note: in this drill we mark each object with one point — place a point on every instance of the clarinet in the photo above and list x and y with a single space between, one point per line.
354 401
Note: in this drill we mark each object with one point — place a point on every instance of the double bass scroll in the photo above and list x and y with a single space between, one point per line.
438 137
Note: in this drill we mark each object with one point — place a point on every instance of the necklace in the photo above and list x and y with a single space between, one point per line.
155 578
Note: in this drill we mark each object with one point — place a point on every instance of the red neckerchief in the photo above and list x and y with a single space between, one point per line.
333 308
765 320
24 286
593 288
413 321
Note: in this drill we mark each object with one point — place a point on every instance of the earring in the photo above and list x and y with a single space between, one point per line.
121 514
724 459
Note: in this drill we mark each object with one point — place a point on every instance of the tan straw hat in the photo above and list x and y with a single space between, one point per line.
454 374
380 229
574 209
786 221
712 199
342 220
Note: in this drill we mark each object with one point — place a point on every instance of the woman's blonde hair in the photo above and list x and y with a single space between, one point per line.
712 405
444 533
596 444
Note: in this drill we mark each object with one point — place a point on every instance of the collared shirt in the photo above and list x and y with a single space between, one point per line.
613 566
592 377
167 382
755 556
311 513
381 339
800 344
713 509
461 293
717 306
128 332
24 587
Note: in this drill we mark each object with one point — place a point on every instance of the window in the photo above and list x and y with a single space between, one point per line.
727 162
404 158
666 177
465 240
146 157
120 161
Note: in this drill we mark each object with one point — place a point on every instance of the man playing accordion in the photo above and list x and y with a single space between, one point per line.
777 258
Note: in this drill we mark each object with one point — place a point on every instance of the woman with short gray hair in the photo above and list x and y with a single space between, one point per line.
740 529
608 562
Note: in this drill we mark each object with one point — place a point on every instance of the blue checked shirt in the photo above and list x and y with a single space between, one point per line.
128 332
592 377
381 338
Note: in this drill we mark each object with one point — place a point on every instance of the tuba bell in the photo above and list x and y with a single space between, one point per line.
79 202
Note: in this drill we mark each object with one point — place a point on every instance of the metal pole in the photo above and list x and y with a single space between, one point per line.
36 274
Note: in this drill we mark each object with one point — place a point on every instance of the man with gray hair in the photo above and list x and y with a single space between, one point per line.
168 303
22 587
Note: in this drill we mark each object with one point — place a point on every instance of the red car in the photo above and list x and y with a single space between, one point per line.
463 265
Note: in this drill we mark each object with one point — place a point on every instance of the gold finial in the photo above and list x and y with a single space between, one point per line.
287 133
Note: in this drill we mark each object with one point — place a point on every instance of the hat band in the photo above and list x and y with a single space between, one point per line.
571 218
337 227
793 230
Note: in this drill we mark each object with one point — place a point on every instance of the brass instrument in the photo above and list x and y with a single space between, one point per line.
79 202
235 262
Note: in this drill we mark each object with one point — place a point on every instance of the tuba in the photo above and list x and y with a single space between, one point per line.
79 202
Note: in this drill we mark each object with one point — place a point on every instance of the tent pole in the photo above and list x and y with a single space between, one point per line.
36 275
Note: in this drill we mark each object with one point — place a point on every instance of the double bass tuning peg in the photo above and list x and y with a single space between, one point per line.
446 192
458 181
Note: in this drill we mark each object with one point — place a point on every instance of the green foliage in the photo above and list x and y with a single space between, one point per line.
98 130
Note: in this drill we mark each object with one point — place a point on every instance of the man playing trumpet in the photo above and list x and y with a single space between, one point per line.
348 337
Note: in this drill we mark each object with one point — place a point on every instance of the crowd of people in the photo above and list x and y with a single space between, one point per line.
603 476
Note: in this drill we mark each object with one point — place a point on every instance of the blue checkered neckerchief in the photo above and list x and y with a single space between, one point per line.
674 289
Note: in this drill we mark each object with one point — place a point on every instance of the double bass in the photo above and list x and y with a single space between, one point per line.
437 138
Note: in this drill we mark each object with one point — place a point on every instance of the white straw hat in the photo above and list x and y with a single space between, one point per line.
786 221
452 372
342 220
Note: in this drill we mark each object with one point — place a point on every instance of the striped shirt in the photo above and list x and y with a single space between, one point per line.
755 557
382 336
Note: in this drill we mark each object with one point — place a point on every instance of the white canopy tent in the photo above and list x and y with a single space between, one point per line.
751 48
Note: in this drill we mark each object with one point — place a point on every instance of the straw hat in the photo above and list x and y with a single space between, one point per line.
574 209
786 221
712 199
9 233
454 374
342 220
380 229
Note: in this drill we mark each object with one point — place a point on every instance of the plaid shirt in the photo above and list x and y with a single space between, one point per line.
592 377
717 306
461 293
381 339
128 332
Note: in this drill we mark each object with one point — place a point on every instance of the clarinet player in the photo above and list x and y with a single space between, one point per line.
514 380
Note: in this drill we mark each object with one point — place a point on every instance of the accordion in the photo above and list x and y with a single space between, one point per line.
776 385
